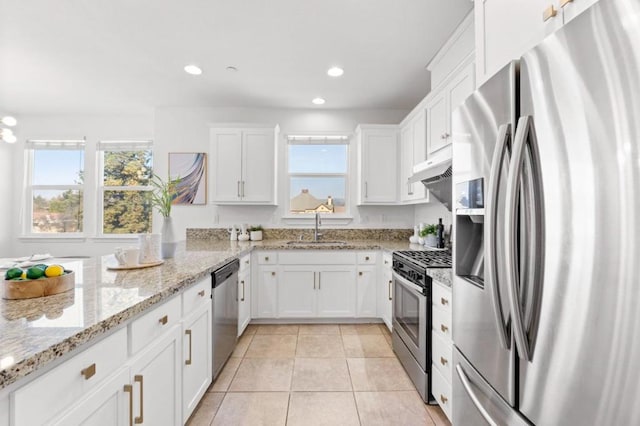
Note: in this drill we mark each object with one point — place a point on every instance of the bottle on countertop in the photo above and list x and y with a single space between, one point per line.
440 234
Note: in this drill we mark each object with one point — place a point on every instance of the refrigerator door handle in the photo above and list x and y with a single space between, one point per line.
493 261
474 398
511 222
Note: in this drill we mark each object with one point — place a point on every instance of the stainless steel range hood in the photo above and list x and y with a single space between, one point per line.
435 174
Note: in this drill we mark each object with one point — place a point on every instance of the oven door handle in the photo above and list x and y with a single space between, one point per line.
408 284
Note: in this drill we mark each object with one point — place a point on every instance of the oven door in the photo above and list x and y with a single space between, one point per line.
410 317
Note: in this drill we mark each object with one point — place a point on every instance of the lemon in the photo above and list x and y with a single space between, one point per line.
13 273
54 271
24 275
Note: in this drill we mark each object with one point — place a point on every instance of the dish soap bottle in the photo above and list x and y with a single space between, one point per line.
440 234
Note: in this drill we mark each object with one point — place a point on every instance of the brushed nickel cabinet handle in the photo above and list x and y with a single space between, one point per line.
246 261
164 320
549 13
360 273
129 389
188 361
563 3
273 274
238 189
443 361
243 189
444 301
201 293
319 280
89 371
443 398
242 299
138 378
444 328
390 290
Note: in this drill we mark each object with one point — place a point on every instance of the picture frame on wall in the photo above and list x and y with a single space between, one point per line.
191 168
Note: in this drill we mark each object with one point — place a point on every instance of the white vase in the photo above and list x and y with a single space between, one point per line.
256 235
168 246
431 240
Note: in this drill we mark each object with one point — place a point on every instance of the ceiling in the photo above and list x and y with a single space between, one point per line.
121 55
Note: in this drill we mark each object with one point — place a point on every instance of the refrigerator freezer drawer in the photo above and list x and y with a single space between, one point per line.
441 390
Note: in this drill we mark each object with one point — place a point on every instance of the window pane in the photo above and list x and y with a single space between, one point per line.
322 194
317 159
126 212
57 167
57 211
127 168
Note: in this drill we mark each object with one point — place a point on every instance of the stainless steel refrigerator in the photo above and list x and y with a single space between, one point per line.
546 313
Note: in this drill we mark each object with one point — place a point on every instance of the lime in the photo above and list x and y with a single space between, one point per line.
12 273
35 273
40 266
54 271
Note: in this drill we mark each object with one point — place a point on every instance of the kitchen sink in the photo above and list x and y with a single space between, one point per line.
316 243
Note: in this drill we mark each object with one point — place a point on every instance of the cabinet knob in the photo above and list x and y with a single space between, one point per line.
444 301
164 320
563 3
89 372
366 258
549 13
201 293
273 274
443 398
443 361
360 273
266 258
444 328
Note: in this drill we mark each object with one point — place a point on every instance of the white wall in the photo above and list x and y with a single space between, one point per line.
8 180
431 212
187 130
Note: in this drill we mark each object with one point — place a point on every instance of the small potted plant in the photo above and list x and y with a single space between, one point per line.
255 233
161 198
429 233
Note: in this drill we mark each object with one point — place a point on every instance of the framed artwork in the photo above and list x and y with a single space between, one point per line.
191 168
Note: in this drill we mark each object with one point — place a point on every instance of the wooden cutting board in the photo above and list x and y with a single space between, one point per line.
41 287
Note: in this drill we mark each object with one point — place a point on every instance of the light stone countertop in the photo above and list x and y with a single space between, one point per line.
36 332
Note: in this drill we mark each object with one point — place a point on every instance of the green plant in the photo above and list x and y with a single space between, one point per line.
255 228
429 229
163 194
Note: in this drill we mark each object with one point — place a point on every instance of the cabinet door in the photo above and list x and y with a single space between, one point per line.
336 291
437 122
575 7
458 90
379 167
197 362
107 405
258 164
366 292
226 163
156 380
297 292
244 300
265 296
385 292
419 131
406 162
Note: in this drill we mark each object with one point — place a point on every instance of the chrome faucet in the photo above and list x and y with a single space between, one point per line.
316 234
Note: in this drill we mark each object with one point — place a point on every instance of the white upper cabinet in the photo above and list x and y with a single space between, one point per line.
413 150
437 113
243 165
377 147
506 29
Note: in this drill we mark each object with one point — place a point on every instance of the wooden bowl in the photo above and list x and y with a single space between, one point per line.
40 287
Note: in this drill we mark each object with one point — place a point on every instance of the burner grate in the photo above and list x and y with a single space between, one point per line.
428 258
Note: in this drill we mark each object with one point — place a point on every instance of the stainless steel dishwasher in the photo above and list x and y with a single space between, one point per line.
224 295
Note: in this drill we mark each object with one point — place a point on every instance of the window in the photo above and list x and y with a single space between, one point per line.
318 174
55 186
124 186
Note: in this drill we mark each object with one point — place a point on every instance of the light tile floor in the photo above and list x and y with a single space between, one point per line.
314 375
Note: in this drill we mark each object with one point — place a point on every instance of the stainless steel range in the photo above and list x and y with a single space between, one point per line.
412 313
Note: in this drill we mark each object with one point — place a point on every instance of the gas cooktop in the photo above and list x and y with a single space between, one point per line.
426 258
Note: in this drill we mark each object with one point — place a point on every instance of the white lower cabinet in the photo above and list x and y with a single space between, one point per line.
297 292
155 375
336 292
244 300
265 292
196 353
385 291
4 411
108 405
442 347
366 292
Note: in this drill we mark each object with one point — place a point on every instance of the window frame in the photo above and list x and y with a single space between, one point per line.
319 139
31 146
122 145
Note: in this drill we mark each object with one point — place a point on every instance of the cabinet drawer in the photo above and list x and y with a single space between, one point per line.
441 390
317 257
441 296
442 355
151 325
366 258
245 262
44 398
442 322
267 258
197 295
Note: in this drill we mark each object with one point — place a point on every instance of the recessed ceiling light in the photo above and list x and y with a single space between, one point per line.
335 71
9 138
9 121
6 132
231 68
318 101
193 70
